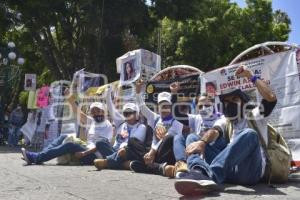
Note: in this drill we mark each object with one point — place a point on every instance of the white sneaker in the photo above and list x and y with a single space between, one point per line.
189 187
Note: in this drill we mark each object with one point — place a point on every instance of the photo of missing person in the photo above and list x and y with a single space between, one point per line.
148 58
129 70
211 88
30 82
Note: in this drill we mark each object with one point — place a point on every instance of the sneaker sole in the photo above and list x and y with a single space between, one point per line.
25 156
193 187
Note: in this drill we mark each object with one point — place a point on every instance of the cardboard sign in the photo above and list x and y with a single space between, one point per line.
137 64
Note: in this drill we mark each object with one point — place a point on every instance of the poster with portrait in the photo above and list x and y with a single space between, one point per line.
281 72
30 82
151 64
137 64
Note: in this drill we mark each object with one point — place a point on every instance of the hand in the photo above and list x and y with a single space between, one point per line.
79 155
67 92
122 152
124 134
161 132
149 157
243 71
196 147
174 87
138 86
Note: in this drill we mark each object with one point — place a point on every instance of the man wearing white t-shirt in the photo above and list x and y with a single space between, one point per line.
242 161
99 128
164 127
129 130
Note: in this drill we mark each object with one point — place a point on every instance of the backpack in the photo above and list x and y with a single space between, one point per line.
278 154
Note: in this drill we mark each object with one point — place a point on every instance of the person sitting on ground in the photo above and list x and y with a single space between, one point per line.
199 125
165 127
243 160
128 130
99 128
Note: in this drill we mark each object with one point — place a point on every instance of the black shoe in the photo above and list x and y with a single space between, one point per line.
156 168
194 183
138 166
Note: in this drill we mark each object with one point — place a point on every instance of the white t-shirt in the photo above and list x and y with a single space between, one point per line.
242 124
97 131
174 127
137 130
199 125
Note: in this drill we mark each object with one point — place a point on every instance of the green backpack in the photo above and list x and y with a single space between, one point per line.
278 154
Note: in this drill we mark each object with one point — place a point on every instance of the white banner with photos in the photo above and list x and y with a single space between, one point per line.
281 72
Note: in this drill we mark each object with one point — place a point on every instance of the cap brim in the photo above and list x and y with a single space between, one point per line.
164 100
237 92
129 110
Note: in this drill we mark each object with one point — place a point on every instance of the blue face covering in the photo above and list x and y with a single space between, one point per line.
167 118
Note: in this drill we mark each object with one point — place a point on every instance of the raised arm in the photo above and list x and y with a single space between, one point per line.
269 98
74 108
149 114
116 115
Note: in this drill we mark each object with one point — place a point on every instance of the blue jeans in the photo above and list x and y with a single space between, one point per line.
179 147
239 163
104 147
211 150
13 137
135 150
57 148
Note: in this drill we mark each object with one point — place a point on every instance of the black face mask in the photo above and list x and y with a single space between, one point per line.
231 110
98 118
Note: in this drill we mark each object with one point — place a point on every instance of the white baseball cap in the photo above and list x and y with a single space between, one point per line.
164 96
97 105
130 107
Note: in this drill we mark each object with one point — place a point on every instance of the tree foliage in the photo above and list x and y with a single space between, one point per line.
62 36
219 32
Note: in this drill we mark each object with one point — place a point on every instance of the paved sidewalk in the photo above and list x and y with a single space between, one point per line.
50 181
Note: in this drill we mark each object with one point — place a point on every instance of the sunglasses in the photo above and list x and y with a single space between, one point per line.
127 114
206 106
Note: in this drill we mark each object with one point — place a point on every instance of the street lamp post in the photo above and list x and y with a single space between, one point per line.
10 62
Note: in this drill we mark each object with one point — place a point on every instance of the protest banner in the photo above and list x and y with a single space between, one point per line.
187 76
30 82
137 64
43 97
32 98
280 71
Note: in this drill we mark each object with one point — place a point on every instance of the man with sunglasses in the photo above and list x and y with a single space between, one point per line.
243 160
129 131
197 127
165 127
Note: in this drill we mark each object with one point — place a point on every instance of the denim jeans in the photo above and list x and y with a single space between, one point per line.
179 147
13 137
104 147
135 150
181 142
240 162
57 148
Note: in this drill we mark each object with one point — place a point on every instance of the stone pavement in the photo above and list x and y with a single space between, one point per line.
50 181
